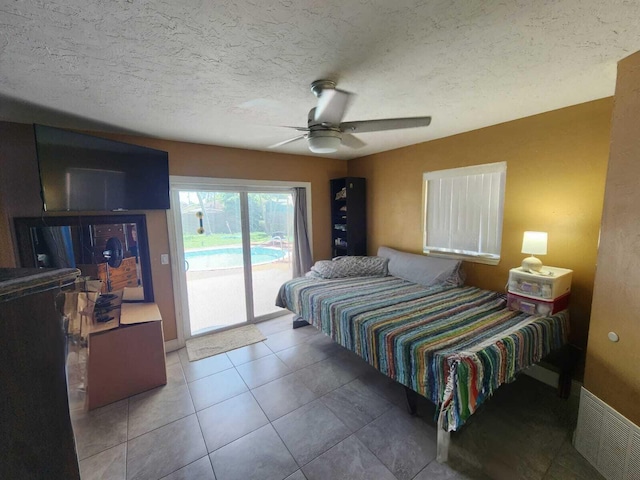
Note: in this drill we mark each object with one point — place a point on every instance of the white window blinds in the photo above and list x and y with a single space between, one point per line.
463 212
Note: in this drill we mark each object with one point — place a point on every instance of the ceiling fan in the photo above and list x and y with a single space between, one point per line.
325 130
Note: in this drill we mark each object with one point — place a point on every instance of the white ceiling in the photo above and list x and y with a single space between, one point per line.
229 73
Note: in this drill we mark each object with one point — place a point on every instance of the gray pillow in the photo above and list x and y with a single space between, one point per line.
350 266
422 269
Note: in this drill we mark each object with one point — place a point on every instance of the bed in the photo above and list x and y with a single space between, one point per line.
451 343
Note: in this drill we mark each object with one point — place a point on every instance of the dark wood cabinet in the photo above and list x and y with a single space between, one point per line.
37 439
348 216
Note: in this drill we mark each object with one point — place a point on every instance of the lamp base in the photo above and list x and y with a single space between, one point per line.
532 264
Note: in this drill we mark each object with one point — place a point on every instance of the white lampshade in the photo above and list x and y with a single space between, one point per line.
323 144
534 243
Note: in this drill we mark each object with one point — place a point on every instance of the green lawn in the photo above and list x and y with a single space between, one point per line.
220 239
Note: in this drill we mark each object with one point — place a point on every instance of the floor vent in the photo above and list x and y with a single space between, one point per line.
609 441
633 460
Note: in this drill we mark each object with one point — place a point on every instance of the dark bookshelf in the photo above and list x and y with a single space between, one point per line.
348 216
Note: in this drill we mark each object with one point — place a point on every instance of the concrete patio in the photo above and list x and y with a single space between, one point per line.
217 297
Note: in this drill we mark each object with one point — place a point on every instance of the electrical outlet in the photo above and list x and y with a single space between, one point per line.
164 259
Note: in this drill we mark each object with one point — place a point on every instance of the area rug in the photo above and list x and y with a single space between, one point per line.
215 343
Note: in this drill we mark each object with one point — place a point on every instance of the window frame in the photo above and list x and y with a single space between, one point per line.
489 258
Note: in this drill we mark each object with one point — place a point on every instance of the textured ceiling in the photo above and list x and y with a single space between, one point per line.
229 73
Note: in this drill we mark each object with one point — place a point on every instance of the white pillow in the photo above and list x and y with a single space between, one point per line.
422 269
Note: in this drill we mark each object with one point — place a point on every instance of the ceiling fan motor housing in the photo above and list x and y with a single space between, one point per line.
322 137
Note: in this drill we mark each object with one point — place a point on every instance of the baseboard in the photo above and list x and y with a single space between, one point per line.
549 377
171 345
607 439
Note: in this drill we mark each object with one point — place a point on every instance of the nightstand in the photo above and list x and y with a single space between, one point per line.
542 293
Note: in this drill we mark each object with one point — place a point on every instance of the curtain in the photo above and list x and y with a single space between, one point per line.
302 260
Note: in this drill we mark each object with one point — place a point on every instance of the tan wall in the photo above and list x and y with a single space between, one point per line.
19 184
18 163
612 371
556 167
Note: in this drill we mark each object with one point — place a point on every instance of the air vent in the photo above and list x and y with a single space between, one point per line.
613 446
609 441
633 459
587 442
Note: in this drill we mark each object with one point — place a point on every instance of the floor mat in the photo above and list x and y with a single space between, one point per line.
219 342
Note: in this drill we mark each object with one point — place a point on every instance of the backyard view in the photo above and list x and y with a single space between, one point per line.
214 254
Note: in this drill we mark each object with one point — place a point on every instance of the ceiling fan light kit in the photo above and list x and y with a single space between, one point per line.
325 129
324 141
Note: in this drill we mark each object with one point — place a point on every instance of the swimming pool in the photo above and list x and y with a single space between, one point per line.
229 257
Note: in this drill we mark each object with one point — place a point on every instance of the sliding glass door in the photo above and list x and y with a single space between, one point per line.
271 233
235 246
213 259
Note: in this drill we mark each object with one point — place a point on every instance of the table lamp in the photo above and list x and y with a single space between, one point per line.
533 243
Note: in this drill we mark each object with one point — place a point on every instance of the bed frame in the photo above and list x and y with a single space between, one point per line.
356 315
443 438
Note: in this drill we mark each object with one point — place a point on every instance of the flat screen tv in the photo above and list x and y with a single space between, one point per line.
85 173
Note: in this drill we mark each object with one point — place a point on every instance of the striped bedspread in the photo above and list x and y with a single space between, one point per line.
454 345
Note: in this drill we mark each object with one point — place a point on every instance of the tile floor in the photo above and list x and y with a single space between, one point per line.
297 406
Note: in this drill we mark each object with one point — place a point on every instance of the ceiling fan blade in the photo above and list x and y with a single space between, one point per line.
332 105
352 141
384 124
300 129
294 139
